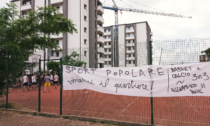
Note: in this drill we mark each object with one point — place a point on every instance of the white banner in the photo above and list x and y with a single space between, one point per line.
146 81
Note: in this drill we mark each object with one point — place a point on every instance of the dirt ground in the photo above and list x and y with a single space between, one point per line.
9 118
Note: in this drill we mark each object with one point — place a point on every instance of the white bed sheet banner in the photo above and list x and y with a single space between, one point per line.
145 81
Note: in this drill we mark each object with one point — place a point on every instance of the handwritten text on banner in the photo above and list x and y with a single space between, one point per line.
146 81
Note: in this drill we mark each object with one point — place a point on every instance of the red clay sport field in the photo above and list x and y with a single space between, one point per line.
170 111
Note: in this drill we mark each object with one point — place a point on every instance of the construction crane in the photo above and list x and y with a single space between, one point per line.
115 8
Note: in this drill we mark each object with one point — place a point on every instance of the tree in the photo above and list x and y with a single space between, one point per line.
53 67
70 60
207 52
20 35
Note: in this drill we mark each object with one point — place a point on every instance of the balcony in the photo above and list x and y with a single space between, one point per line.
107 33
100 40
100 9
107 53
130 37
107 59
100 60
56 1
60 10
105 66
100 50
130 65
100 30
130 44
57 36
26 7
130 58
100 19
130 51
108 39
107 46
131 30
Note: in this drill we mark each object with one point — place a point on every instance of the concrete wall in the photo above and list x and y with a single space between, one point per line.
142 43
92 34
121 40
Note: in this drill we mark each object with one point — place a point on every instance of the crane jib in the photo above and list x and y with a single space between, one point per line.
110 8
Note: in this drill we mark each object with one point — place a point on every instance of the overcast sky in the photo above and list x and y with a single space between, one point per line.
164 28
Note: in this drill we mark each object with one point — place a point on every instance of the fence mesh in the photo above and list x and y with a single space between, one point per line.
50 100
173 111
181 111
98 105
26 99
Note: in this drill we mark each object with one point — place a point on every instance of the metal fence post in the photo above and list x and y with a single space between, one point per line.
61 85
151 98
39 93
7 69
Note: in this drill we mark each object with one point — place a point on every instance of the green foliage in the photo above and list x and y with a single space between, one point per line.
67 60
207 52
9 106
20 35
53 67
72 60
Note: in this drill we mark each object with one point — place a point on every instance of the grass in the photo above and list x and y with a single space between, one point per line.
10 106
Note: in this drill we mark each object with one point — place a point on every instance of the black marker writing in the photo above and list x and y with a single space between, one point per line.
196 91
181 82
131 85
203 76
104 84
79 80
179 75
160 72
184 87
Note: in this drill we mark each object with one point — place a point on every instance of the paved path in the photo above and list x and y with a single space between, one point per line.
9 118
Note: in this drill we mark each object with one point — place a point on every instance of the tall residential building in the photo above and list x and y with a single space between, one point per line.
132 47
87 15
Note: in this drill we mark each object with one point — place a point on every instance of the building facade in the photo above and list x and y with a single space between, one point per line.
87 15
132 45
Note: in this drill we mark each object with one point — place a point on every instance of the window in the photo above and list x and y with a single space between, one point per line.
85 6
51 53
85 41
85 53
85 30
57 54
134 62
24 13
85 18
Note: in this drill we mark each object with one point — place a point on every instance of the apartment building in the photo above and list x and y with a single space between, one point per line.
87 15
132 45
